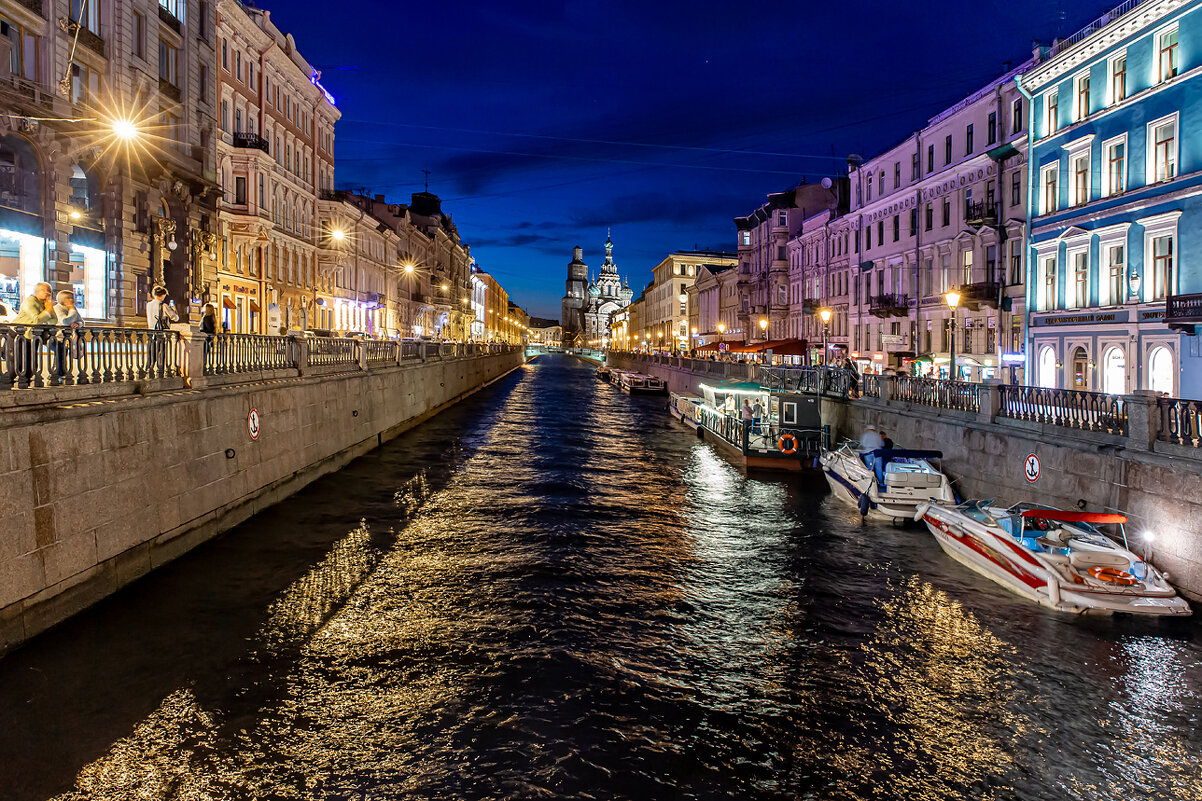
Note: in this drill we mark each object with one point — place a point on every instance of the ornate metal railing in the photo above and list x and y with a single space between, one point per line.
1180 422
46 356
832 380
226 354
954 395
1086 411
887 305
1183 309
1110 16
243 139
380 351
870 385
325 351
409 350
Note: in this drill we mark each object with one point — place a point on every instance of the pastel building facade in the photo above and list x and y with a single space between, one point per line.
1115 275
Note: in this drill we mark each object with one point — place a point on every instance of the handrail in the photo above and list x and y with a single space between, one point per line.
1085 411
50 356
954 395
1180 422
226 354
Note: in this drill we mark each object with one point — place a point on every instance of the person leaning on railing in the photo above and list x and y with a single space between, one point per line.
208 326
160 314
37 309
68 344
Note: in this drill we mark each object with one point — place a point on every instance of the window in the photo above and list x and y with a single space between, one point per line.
868 196
1167 54
1118 79
225 55
880 232
86 14
139 35
896 174
1080 185
168 63
1162 267
225 115
85 85
1114 372
930 216
1080 296
240 190
1047 368
1049 284
746 234
202 29
1016 115
1116 270
1050 179
913 221
174 7
896 227
991 128
238 65
1082 109
1115 153
915 166
1016 188
930 158
204 83
947 149
1051 104
1164 149
966 267
237 120
868 238
947 212
1016 262
261 192
968 140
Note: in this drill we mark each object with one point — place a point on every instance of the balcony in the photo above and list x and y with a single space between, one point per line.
168 19
981 293
982 212
33 5
332 194
1183 312
169 89
889 305
251 140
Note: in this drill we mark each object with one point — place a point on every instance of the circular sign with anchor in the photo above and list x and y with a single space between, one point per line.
252 423
1031 468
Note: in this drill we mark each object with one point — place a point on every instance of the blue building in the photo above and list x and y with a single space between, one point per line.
1115 201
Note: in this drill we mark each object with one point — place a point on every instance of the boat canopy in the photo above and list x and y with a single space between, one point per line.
1073 517
898 453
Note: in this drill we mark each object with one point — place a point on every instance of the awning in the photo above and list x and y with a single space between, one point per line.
710 348
779 347
253 306
227 302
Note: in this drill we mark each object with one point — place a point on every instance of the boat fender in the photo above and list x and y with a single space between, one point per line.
864 505
1113 576
787 444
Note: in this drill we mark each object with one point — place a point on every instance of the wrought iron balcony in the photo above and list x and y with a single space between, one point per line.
169 19
171 90
1183 312
981 293
33 5
982 212
893 305
250 140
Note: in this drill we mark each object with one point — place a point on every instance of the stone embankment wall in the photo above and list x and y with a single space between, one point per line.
1157 484
96 493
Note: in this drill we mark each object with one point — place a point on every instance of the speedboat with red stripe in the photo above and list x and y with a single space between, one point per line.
1058 559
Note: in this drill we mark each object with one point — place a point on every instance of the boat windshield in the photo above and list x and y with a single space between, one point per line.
977 511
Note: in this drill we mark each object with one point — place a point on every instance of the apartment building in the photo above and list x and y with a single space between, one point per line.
667 304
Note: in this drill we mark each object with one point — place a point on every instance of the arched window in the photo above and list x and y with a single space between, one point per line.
1114 372
20 176
1047 368
85 190
1161 373
1080 369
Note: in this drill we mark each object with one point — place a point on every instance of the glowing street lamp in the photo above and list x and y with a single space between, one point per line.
953 300
826 315
338 235
125 129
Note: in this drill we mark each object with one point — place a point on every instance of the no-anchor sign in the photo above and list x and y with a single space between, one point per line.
1031 468
252 423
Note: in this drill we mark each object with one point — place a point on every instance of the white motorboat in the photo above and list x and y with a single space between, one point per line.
888 483
1058 559
686 409
639 384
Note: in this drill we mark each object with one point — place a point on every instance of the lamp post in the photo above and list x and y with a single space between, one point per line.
693 341
721 335
953 300
825 314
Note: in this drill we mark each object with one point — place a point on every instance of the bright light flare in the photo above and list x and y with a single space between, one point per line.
125 129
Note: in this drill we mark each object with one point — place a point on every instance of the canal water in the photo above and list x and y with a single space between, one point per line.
555 591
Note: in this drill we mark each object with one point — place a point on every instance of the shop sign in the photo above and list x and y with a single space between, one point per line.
1079 319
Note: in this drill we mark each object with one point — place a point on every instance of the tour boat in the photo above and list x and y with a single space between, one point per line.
1058 559
686 409
639 384
886 484
603 372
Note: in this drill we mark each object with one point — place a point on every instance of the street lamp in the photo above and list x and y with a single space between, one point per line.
953 300
693 341
825 314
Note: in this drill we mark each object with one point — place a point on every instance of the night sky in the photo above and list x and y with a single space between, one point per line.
545 123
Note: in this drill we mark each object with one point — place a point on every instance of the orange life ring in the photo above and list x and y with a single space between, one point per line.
787 444
1113 576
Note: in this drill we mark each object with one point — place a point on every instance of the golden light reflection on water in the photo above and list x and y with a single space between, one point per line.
947 690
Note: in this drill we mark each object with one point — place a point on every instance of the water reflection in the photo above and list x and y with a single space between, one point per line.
557 592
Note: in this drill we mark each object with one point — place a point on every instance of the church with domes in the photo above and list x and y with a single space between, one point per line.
588 305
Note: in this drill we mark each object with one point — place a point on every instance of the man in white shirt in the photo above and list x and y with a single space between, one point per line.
871 440
160 314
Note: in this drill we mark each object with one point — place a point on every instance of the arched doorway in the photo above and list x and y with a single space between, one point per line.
1114 372
1161 373
1047 368
1080 369
20 176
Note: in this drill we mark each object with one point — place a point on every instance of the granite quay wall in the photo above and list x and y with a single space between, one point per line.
100 484
1142 455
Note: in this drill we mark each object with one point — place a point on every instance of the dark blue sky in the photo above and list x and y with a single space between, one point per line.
544 123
